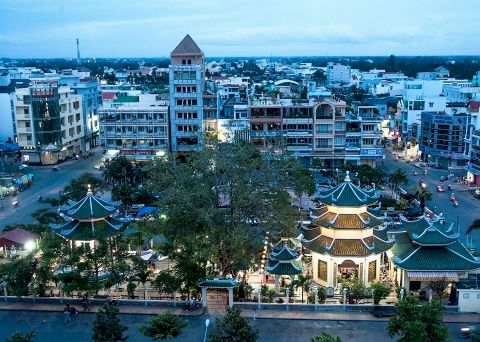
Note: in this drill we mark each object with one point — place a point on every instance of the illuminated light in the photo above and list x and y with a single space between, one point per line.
30 245
179 250
160 153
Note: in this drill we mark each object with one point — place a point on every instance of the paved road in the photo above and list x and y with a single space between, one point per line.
51 327
468 209
49 184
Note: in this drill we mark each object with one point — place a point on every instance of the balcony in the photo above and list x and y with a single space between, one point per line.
295 133
257 134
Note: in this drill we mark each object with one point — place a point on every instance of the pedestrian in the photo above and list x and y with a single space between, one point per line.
67 313
84 302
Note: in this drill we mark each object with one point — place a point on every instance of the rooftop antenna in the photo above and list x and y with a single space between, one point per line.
78 52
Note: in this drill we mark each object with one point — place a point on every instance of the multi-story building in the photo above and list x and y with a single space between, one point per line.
91 102
137 129
442 138
49 121
338 73
186 85
317 129
8 128
473 143
418 96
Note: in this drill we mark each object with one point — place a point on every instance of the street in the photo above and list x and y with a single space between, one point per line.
51 327
47 183
468 209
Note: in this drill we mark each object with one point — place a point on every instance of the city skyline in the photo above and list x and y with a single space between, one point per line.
118 29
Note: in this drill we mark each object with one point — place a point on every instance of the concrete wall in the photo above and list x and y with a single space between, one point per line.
469 300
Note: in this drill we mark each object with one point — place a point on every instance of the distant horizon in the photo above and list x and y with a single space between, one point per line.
251 57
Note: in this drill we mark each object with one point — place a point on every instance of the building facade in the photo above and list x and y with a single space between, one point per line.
442 138
186 85
48 116
137 130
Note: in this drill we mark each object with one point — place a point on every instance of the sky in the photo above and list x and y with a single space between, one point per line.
152 28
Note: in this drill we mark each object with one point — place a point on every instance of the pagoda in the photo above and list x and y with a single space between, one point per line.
90 219
284 260
428 250
345 238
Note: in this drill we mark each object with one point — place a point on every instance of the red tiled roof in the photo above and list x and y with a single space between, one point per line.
19 235
107 95
474 105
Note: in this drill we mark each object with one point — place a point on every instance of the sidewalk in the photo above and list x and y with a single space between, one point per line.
124 309
346 316
248 313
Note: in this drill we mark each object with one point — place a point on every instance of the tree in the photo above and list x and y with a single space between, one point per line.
119 169
439 287
302 282
107 326
380 291
164 326
232 327
141 273
397 178
415 323
18 273
214 199
167 282
124 193
356 288
77 188
19 337
423 194
324 337
402 204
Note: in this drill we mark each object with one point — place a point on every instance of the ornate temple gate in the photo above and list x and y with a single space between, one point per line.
217 293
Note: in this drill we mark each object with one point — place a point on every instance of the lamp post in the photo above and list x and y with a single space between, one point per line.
145 293
5 289
207 323
60 290
287 291
344 292
315 293
402 293
259 298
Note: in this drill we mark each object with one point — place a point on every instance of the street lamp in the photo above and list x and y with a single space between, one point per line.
207 323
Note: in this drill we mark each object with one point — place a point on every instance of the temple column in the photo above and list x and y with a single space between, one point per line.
277 284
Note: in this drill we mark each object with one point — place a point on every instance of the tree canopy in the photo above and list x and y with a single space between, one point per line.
232 327
164 326
107 326
220 202
418 323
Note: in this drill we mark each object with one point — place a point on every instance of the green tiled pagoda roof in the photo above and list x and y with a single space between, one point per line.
437 259
348 194
348 247
284 253
90 230
218 283
284 268
90 207
432 237
425 232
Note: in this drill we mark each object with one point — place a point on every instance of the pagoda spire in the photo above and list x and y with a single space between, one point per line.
347 177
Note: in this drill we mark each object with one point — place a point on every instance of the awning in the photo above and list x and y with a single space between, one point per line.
431 276
472 170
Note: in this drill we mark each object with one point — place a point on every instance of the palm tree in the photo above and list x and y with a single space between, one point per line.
423 194
303 282
141 273
397 178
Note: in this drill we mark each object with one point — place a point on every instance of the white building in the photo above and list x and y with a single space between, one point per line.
338 73
138 129
48 117
419 96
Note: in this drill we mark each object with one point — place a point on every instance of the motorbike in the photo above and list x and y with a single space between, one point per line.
192 305
415 173
453 198
440 188
455 204
449 187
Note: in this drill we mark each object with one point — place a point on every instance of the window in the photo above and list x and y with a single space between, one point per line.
430 104
466 296
184 61
338 140
322 142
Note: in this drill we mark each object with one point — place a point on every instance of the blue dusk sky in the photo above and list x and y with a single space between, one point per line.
152 28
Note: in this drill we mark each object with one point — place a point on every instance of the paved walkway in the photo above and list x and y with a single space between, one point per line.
259 314
124 309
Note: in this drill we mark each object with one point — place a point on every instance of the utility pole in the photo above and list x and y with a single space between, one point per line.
78 53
